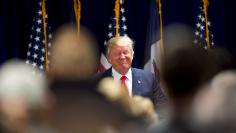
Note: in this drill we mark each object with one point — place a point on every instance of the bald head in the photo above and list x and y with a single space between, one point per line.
73 55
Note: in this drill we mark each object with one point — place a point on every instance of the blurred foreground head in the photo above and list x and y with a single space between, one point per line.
185 66
137 106
216 107
22 94
18 81
74 54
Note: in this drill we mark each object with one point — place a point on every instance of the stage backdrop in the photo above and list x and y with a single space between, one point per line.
16 20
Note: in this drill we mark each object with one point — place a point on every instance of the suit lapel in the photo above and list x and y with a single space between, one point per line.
108 73
136 82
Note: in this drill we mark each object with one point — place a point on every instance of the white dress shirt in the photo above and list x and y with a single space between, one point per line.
128 80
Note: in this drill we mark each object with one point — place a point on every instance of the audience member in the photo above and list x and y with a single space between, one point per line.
74 55
215 107
24 98
185 68
136 106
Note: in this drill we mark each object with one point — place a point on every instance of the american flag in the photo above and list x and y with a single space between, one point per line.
200 30
36 49
104 64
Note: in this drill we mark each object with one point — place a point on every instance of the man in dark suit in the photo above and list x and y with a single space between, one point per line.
135 81
76 95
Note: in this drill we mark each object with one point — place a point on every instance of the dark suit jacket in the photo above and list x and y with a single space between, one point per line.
144 84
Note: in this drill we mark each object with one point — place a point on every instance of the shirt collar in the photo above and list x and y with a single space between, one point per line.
118 75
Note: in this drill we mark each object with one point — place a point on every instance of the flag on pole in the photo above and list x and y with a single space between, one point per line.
122 27
153 41
38 52
203 34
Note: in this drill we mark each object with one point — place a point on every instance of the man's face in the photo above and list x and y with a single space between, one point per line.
120 56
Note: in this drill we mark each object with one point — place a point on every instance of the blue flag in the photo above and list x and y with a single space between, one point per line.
152 56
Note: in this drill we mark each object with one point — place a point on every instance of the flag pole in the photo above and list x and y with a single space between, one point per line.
77 10
44 13
205 7
117 14
161 29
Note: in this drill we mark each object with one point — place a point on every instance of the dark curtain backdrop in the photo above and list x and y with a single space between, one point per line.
16 20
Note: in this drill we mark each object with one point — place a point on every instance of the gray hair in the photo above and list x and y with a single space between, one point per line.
18 81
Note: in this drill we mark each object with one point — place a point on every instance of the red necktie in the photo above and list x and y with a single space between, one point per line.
123 84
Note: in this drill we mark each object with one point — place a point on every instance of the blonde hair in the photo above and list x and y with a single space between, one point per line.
127 41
